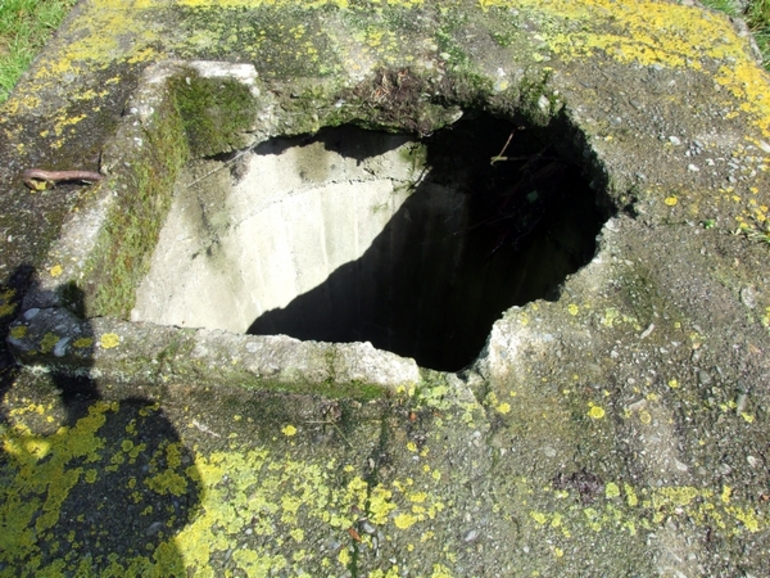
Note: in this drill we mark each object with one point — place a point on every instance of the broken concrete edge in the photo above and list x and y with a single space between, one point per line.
104 249
57 341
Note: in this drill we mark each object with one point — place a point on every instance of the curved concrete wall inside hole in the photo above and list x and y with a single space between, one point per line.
416 246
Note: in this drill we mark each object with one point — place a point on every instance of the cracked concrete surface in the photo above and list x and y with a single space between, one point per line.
618 429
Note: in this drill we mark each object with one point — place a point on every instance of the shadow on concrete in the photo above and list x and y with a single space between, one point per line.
434 281
88 485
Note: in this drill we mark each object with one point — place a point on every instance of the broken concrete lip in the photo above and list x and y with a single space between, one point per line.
403 252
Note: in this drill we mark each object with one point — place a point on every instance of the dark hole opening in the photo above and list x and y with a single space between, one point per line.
434 281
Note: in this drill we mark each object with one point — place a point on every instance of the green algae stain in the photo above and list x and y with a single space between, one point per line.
125 244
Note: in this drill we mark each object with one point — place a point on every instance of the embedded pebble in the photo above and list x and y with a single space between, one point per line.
61 347
646 332
153 529
703 377
740 402
638 405
31 313
749 297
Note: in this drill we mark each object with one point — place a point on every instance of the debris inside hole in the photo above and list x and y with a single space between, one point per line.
417 246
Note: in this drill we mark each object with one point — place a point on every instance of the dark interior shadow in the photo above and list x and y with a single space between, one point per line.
106 485
12 291
347 140
472 240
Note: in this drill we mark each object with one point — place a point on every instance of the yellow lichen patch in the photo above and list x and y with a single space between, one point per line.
440 571
18 332
290 497
405 520
418 497
747 517
748 83
747 417
56 271
6 307
637 31
673 383
257 3
680 496
655 33
83 343
289 430
596 412
48 342
699 506
539 517
45 471
168 481
392 572
503 408
610 315
95 49
631 499
109 340
16 106
63 121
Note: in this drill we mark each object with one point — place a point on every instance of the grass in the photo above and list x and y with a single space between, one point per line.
26 25
757 16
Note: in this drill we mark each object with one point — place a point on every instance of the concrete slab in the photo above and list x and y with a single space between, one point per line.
620 428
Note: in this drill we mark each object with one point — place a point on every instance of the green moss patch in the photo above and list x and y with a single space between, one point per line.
214 112
126 242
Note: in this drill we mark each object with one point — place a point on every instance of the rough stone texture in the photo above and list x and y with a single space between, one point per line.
152 354
620 430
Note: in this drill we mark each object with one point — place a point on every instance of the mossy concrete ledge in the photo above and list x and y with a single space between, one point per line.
148 354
